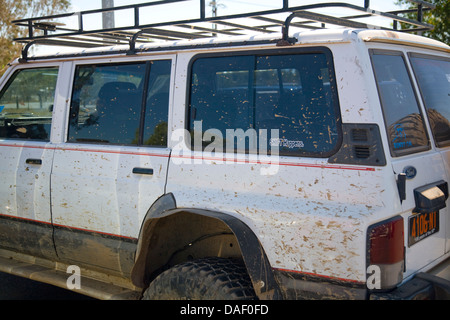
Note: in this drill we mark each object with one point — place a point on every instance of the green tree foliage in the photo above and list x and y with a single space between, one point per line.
18 9
439 18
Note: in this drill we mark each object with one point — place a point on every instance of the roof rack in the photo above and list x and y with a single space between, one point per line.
52 30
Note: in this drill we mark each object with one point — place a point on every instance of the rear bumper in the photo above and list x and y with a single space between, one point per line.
432 285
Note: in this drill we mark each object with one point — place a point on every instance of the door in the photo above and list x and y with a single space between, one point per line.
26 155
432 74
413 155
113 164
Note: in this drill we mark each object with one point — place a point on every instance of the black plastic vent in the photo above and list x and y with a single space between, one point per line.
361 145
360 134
362 152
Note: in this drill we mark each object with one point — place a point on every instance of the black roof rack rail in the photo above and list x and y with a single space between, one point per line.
349 21
48 30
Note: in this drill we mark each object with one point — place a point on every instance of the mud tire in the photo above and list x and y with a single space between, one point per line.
203 279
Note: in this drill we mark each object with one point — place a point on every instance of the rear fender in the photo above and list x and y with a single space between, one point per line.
167 231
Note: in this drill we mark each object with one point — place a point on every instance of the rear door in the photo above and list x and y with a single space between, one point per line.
113 164
414 156
432 73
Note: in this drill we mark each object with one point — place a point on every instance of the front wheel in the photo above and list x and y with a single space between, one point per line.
203 279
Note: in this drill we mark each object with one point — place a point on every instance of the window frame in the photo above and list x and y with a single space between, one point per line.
143 105
274 52
412 150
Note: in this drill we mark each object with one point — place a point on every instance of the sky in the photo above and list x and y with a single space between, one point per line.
189 8
385 5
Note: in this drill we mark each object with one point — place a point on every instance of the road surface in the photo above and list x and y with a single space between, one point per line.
18 288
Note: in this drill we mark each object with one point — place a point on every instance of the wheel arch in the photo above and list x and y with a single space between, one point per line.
171 235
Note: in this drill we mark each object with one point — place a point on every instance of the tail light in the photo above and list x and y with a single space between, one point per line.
386 253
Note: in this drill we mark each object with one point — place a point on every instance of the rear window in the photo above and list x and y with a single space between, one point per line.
433 77
106 103
282 101
124 104
404 121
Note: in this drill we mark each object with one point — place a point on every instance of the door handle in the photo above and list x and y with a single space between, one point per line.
33 161
401 186
147 171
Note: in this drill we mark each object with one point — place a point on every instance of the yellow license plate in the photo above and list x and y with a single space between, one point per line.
422 225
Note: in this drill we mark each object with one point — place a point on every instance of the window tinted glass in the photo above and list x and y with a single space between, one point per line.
157 104
220 95
402 115
433 76
107 104
26 104
288 94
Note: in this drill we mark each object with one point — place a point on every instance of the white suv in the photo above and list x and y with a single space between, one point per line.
239 167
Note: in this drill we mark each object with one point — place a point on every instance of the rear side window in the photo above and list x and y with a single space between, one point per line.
105 104
404 121
433 77
26 104
283 101
124 104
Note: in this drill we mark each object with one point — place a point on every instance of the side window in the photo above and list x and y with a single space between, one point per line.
220 97
26 104
110 101
106 103
157 104
433 77
289 99
404 121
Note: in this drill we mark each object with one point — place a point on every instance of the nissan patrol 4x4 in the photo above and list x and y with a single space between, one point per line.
173 160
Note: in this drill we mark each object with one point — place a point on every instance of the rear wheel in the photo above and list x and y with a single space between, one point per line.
203 279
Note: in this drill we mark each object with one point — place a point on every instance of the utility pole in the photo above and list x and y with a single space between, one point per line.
214 5
108 17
